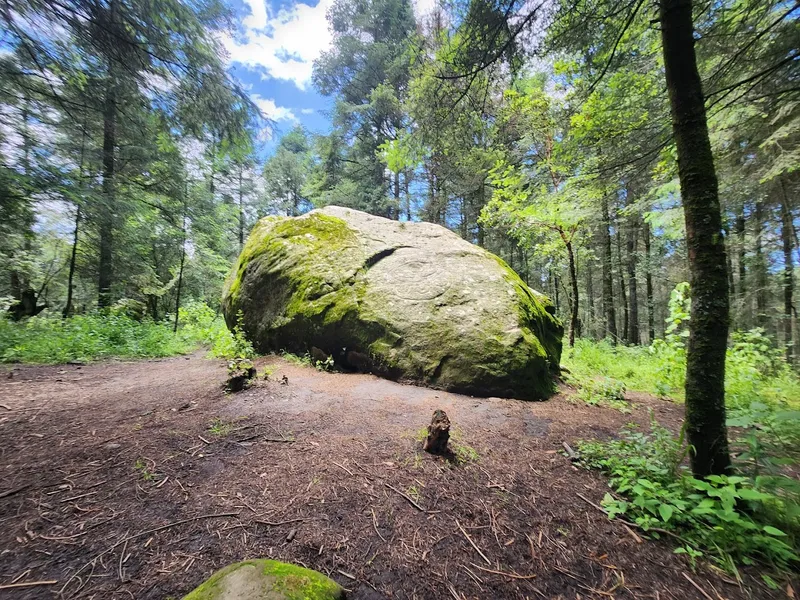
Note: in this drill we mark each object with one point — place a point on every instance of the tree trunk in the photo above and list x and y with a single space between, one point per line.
708 327
107 208
406 184
397 196
788 273
241 211
590 330
573 280
648 283
72 259
608 285
761 270
183 257
622 293
740 234
633 294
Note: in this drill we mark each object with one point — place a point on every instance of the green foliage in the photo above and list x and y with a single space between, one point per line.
219 427
604 391
47 339
727 518
202 323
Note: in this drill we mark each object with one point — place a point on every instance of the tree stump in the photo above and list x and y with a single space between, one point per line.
240 372
438 433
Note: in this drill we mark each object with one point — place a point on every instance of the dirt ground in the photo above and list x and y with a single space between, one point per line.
139 479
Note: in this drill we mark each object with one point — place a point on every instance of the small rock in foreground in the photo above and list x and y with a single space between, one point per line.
267 580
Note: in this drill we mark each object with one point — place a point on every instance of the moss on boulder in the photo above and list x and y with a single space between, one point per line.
267 580
413 301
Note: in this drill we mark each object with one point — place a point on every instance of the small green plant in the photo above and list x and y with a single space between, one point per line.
726 518
301 361
414 493
141 467
268 371
219 427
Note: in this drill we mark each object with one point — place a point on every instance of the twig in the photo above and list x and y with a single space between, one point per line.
9 586
77 497
469 539
346 574
142 534
697 587
375 525
121 560
571 454
343 468
406 496
14 491
512 575
276 523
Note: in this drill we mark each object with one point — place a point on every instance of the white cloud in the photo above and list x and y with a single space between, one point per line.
258 14
307 111
272 111
422 8
282 45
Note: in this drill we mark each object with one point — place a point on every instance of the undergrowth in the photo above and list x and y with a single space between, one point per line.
736 519
751 515
48 339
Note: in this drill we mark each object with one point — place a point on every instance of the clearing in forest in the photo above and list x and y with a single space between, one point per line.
138 479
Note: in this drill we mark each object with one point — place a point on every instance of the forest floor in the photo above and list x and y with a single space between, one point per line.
139 479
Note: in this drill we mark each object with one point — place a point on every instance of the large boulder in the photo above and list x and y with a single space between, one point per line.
267 580
408 301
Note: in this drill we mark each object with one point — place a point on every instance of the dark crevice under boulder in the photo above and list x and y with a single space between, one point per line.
407 301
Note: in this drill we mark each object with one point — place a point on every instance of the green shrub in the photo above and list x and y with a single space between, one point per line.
48 339
603 391
730 519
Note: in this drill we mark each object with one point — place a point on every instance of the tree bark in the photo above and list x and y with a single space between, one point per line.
573 280
648 283
761 270
72 259
183 257
788 273
708 326
633 293
107 208
608 285
241 211
622 293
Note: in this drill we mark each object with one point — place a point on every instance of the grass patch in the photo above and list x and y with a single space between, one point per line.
48 339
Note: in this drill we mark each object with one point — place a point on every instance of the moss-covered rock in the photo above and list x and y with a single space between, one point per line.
267 580
413 301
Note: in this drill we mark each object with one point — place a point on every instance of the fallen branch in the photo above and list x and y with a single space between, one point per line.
25 584
469 539
14 491
343 468
512 575
571 454
406 496
697 587
276 523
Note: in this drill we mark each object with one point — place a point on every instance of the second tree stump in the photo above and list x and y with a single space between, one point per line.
438 433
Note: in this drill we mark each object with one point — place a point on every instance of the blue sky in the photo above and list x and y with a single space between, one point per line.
272 54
